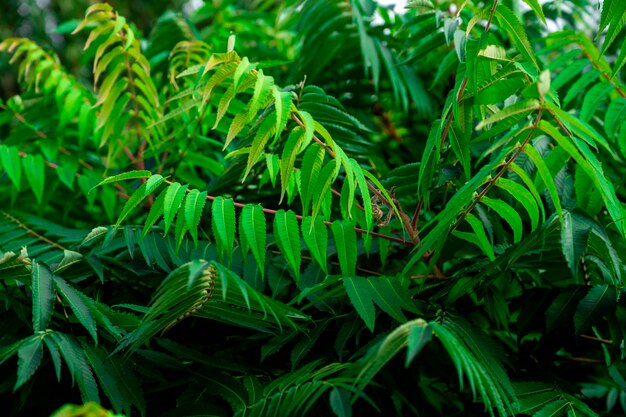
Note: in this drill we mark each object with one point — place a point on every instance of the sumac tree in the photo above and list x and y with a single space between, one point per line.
338 208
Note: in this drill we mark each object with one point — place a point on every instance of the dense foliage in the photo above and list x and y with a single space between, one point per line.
317 207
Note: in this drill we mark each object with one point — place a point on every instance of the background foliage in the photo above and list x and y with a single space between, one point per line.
313 207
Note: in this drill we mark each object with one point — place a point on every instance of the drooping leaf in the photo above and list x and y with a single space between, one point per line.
261 91
417 338
322 186
508 214
315 236
75 359
340 402
156 211
10 158
593 100
43 295
224 225
599 300
614 116
546 177
479 237
311 166
34 172
252 222
346 245
194 203
573 240
80 305
382 352
282 101
290 152
522 195
287 237
361 299
29 359
258 144
173 198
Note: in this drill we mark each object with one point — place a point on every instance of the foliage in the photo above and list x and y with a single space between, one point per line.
88 410
313 207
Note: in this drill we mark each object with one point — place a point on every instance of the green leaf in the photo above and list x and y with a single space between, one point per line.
442 221
581 84
117 380
593 100
43 295
28 360
418 337
261 91
616 14
479 236
520 107
174 196
81 305
361 298
345 243
620 60
224 225
524 197
311 166
138 196
315 236
131 175
258 144
553 409
288 159
34 171
282 101
223 105
287 237
365 194
236 126
252 221
194 203
534 4
514 29
155 213
615 115
382 352
460 146
600 300
340 402
587 160
569 72
545 175
10 157
386 292
322 186
508 214
243 68
573 240
75 359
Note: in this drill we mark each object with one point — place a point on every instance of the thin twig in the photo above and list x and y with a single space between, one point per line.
504 168
31 231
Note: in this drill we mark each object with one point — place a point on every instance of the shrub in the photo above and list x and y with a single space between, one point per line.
320 213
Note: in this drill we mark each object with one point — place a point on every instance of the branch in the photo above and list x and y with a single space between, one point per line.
31 231
505 167
299 217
